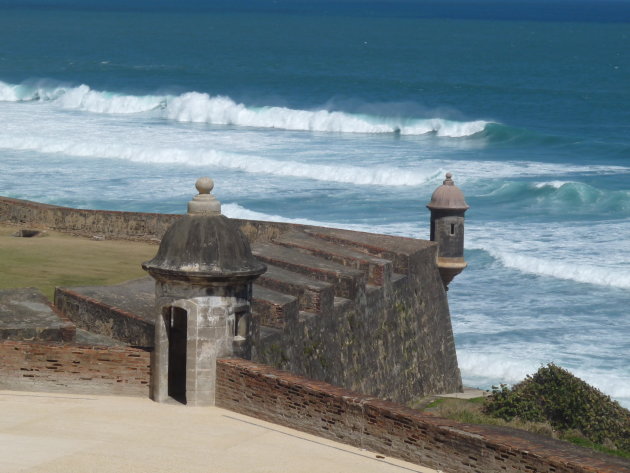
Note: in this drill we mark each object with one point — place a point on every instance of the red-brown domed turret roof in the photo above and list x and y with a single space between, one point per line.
448 196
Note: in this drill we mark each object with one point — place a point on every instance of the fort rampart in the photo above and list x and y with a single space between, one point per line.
113 224
394 430
335 308
70 368
364 311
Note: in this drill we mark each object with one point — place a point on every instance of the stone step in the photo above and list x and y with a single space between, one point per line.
26 314
313 295
124 312
393 248
347 282
273 308
379 270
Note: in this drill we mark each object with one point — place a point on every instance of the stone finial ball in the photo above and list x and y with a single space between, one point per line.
204 185
448 175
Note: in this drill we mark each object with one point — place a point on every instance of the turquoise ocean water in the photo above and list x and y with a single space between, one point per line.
349 115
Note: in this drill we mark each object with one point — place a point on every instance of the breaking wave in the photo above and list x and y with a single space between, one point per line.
567 251
583 273
220 110
384 176
203 108
564 197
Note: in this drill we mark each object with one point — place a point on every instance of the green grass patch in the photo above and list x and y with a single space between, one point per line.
63 260
477 400
435 403
584 442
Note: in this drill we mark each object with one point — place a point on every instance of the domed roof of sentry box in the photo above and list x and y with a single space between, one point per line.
204 246
448 196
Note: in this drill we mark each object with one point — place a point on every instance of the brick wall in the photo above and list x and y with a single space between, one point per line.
394 430
70 368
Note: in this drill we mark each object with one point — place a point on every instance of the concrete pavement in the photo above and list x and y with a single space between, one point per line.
57 433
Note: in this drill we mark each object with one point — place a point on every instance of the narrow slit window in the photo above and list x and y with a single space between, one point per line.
452 229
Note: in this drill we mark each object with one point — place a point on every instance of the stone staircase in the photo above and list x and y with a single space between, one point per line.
310 275
310 272
364 311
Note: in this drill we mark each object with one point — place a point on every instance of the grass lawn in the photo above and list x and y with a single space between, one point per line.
59 259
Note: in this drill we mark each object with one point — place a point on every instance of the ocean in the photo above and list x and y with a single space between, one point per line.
349 114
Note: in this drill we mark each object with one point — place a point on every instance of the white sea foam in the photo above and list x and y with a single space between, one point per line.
8 92
25 93
576 252
234 210
554 264
583 273
411 230
203 108
484 367
83 98
386 176
554 184
78 139
219 110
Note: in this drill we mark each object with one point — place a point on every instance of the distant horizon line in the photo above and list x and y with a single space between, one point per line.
606 11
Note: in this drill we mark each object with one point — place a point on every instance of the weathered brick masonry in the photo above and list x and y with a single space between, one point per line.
69 368
394 430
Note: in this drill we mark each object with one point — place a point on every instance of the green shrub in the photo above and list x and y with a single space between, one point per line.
554 395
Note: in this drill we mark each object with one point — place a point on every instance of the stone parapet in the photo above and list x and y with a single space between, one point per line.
103 223
112 224
394 430
25 314
365 311
100 310
71 368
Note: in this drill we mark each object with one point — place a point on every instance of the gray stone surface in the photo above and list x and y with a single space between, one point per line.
392 337
124 312
392 340
203 275
83 337
25 314
135 296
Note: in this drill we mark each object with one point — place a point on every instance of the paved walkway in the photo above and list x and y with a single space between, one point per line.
56 433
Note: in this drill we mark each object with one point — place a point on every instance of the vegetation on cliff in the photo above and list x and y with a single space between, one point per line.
567 403
551 402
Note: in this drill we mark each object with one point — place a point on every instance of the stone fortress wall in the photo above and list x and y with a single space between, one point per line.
372 300
395 430
363 311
